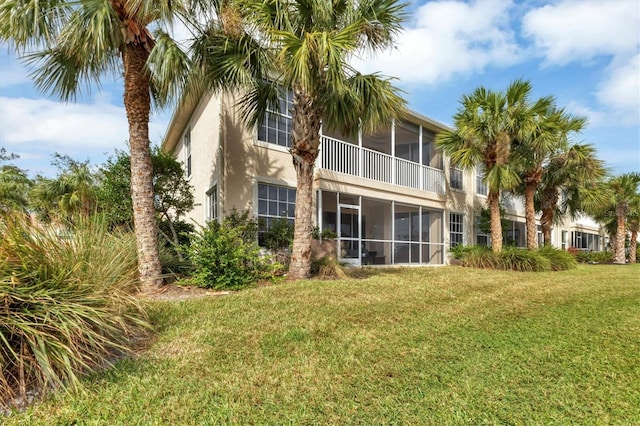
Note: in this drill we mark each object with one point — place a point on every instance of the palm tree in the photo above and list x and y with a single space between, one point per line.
621 192
314 41
548 135
487 125
575 171
81 41
71 194
633 221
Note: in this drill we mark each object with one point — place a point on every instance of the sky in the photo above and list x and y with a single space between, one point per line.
585 53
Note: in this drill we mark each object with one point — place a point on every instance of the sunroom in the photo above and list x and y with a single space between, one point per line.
373 231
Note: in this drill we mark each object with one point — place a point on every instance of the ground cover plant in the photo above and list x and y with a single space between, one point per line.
446 345
66 303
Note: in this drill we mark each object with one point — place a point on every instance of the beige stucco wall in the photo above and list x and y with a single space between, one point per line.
227 153
204 124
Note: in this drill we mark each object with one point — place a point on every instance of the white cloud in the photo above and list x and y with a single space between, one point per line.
450 38
581 30
620 92
594 117
57 126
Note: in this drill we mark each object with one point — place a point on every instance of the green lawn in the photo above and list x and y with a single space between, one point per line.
412 346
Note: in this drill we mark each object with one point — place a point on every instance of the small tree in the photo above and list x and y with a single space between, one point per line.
173 194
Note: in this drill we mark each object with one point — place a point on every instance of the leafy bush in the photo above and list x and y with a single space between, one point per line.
226 257
279 235
561 260
594 256
67 307
326 234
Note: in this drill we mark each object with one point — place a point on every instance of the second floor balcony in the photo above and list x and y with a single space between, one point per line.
350 159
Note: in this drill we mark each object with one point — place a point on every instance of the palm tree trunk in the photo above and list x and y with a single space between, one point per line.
306 141
530 215
137 103
495 220
633 246
549 202
620 234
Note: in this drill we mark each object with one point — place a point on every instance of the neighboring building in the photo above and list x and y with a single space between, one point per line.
390 197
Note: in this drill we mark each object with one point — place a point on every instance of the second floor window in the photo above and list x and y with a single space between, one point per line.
276 126
481 186
187 152
455 178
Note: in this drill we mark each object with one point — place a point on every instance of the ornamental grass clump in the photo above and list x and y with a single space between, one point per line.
514 259
561 260
67 305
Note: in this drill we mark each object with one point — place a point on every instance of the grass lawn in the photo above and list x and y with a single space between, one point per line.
413 346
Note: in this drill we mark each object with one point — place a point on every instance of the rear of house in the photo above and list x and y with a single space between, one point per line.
390 198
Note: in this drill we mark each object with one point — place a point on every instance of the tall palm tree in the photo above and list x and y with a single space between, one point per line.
575 171
81 41
547 136
633 221
486 127
621 191
314 41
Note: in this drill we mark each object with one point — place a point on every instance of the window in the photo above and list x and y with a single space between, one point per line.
455 178
276 126
585 241
481 187
482 238
455 229
274 202
564 240
212 203
187 152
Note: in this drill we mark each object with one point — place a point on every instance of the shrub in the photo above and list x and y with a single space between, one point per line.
278 239
476 257
560 260
523 260
594 256
514 259
226 257
68 306
328 268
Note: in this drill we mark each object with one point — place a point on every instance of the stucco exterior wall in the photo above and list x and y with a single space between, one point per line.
204 125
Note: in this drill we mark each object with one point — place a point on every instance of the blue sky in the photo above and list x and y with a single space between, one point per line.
585 53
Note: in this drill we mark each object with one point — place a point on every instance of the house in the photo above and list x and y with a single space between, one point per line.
390 197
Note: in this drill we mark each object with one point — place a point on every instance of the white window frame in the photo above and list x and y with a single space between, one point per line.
481 186
267 215
479 233
459 232
285 114
211 197
186 142
452 180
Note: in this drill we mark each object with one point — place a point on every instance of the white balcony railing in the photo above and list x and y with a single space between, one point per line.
350 159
